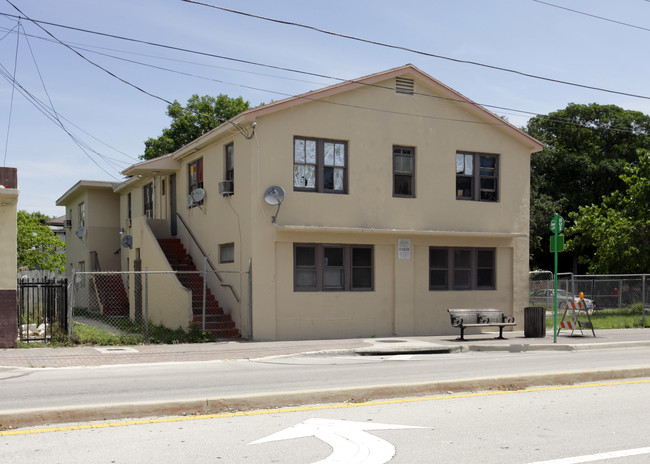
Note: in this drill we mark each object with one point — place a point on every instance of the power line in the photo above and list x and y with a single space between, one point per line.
281 68
266 90
169 47
593 15
283 94
11 105
268 66
89 61
58 117
46 111
418 52
49 111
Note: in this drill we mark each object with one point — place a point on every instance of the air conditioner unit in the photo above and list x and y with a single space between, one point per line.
226 187
68 223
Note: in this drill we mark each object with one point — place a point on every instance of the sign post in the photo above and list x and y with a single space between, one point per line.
557 245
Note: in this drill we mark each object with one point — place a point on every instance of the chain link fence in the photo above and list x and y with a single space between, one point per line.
606 291
159 306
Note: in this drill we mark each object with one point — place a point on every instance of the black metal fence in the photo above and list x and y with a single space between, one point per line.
42 308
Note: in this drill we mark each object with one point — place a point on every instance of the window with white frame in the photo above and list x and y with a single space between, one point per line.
320 165
227 253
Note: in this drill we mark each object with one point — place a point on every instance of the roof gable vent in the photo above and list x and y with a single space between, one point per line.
404 85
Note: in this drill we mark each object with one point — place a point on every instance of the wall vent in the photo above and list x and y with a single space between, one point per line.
404 85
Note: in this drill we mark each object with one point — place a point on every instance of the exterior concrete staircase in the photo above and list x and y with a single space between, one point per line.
112 295
219 324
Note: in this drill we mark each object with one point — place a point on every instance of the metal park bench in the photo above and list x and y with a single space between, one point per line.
463 318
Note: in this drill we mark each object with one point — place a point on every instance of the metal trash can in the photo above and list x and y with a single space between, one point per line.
534 322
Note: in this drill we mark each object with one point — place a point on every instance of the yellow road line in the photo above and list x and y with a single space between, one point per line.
311 408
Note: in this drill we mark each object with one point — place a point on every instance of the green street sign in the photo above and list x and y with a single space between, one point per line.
557 243
557 224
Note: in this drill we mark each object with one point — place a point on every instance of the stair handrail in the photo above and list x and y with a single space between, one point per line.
207 258
94 262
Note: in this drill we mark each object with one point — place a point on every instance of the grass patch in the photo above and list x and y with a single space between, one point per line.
101 330
86 334
622 318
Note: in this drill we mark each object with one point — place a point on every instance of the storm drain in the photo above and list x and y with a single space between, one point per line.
117 350
394 346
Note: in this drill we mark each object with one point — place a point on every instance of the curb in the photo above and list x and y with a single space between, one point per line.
356 395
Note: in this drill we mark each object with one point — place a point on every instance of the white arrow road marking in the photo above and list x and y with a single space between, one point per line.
350 442
597 457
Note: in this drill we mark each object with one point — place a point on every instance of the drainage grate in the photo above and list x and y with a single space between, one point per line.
117 350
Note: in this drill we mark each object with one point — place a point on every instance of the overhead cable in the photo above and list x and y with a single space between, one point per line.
418 52
593 15
494 107
11 104
281 68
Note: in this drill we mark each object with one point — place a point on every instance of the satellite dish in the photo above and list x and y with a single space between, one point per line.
274 195
126 241
81 232
198 195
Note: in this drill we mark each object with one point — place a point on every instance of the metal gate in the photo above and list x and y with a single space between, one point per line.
42 308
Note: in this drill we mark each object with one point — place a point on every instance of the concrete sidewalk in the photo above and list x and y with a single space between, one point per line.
515 342
229 350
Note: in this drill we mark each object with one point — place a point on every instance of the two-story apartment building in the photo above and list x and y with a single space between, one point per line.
91 223
401 199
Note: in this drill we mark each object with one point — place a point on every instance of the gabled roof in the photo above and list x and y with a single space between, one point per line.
162 165
409 70
84 185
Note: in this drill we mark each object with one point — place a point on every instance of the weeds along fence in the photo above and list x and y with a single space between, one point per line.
607 291
139 306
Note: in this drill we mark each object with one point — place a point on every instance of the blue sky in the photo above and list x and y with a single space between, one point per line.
113 119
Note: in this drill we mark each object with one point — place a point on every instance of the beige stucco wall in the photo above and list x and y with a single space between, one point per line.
169 303
222 220
401 302
8 263
102 213
76 248
102 226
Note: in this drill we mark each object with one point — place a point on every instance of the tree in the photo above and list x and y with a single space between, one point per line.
619 227
37 245
200 115
586 150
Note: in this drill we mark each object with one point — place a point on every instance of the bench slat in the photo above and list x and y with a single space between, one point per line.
463 318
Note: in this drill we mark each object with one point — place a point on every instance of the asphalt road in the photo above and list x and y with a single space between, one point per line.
551 425
86 393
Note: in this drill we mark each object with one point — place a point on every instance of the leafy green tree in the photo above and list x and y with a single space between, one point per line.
200 115
586 150
37 245
619 227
